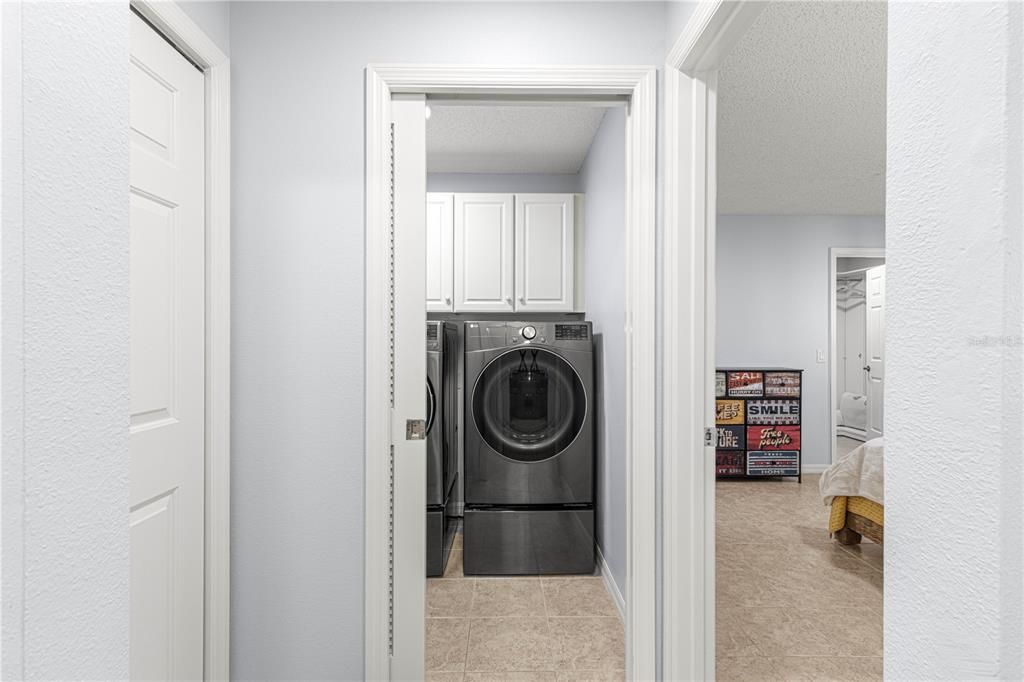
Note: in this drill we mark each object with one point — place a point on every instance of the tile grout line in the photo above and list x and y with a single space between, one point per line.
469 625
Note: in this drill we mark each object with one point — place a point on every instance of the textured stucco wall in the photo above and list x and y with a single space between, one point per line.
65 341
953 569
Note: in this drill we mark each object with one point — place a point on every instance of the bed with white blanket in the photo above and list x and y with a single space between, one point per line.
854 488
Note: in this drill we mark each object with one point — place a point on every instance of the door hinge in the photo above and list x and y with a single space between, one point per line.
709 436
415 429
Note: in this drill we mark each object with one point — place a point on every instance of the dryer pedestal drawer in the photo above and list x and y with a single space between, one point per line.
528 541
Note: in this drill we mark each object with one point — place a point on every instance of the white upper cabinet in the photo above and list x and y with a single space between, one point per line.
440 251
544 253
484 259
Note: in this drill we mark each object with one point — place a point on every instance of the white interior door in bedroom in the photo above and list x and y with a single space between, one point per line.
874 368
167 309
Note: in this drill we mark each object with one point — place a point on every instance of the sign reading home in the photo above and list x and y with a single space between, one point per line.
742 384
772 437
782 384
730 437
773 412
719 384
773 463
728 411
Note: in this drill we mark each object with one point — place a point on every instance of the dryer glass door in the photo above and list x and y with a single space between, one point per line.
529 404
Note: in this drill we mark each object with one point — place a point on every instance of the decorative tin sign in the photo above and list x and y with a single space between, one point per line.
773 412
782 384
742 384
772 437
719 384
761 463
730 463
730 438
728 411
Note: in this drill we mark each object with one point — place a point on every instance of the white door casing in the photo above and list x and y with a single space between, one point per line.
874 281
544 252
542 82
688 512
168 307
440 251
409 542
484 261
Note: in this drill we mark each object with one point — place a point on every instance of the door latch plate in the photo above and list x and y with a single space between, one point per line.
709 436
415 429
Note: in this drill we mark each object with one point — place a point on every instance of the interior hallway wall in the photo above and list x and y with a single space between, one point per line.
773 302
603 180
954 550
298 283
65 326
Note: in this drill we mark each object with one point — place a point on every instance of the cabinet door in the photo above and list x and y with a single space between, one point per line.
483 253
544 252
440 251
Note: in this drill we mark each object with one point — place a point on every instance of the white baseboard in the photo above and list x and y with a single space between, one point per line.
609 584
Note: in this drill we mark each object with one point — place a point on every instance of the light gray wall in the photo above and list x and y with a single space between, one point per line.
954 580
65 540
773 302
214 17
503 182
297 250
603 179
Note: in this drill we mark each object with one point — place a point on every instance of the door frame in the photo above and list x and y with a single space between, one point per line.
638 83
691 85
178 28
834 254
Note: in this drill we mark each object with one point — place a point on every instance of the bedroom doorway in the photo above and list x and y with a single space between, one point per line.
787 195
857 330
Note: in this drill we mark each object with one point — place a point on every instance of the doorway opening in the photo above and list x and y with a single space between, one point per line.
397 593
857 366
777 126
801 168
526 460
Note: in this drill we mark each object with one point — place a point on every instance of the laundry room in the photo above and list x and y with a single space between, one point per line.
526 376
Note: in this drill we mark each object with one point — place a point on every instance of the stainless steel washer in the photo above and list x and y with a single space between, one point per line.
529 448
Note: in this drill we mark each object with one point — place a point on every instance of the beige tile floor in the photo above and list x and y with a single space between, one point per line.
791 603
531 629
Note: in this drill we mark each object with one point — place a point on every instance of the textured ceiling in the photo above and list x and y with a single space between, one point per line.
802 112
510 139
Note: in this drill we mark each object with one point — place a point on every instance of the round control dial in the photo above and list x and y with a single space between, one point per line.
529 333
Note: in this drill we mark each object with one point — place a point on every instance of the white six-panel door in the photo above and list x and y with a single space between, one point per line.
544 252
167 360
875 350
440 250
484 259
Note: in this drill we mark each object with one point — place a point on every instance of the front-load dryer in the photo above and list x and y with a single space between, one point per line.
442 441
529 448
